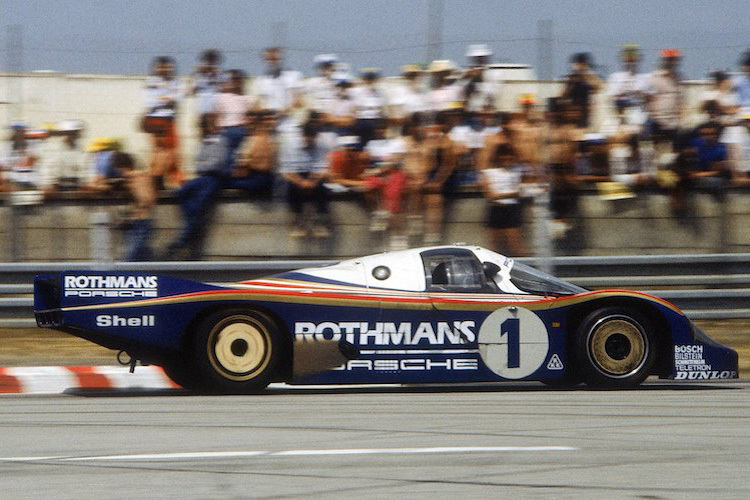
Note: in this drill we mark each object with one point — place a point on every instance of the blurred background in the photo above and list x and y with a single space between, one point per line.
232 130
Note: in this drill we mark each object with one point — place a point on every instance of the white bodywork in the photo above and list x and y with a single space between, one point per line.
406 270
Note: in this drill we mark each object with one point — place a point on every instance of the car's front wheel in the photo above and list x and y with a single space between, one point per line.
237 351
615 348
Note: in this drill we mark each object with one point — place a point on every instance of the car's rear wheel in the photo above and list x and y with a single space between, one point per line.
237 351
615 348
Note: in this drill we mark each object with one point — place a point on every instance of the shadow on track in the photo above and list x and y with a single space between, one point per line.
527 387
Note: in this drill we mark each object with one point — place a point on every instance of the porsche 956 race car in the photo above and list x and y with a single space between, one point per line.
449 314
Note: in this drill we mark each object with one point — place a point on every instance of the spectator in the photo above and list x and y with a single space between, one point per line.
197 197
626 165
526 139
409 97
592 164
104 176
439 177
304 167
741 84
501 184
416 166
737 139
19 159
580 85
385 182
368 105
713 171
625 88
321 89
162 97
348 164
232 108
723 97
479 91
341 115
665 102
563 136
63 170
443 92
463 131
138 223
278 90
208 81
256 158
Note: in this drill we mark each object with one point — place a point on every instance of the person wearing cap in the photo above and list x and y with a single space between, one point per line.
64 169
478 92
580 86
103 176
17 159
342 113
526 138
410 96
625 87
320 90
664 101
369 103
443 91
347 164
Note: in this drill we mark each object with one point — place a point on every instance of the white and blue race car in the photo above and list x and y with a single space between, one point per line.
449 314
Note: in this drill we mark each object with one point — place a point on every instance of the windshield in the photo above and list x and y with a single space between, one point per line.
533 281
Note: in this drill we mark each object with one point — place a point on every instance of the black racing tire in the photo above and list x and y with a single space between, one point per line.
236 351
615 348
569 380
182 372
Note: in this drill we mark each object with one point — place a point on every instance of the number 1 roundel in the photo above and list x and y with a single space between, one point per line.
513 342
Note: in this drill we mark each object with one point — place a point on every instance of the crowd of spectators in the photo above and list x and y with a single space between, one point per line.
402 149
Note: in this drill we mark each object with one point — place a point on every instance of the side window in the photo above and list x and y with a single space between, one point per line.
454 273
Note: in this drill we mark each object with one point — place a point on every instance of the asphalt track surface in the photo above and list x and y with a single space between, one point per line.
664 440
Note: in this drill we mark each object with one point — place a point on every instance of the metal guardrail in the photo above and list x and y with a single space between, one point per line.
719 284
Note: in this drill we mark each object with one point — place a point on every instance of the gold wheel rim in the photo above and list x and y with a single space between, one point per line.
239 348
618 347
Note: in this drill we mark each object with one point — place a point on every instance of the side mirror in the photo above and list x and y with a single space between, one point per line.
490 270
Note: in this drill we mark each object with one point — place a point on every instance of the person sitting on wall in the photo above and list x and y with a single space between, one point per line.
255 159
198 196
138 225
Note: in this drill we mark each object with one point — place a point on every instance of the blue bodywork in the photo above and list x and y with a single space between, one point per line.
426 339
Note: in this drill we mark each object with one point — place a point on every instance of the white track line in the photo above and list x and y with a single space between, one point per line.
208 455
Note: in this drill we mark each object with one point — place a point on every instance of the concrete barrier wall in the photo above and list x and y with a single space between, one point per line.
248 229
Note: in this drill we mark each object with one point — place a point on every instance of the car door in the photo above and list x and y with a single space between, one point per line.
510 338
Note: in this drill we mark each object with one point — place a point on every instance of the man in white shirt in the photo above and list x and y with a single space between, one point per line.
321 89
625 88
479 92
737 139
410 97
369 102
278 90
